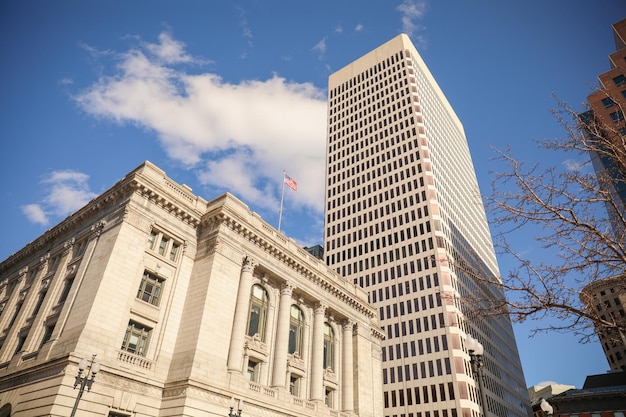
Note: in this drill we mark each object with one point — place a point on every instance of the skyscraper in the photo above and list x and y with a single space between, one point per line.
607 113
404 219
605 123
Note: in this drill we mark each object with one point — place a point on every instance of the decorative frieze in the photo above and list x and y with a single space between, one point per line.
30 377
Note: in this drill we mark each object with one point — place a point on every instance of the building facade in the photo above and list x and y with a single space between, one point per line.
404 220
608 105
186 304
607 299
602 395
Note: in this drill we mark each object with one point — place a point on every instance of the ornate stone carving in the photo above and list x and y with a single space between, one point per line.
43 261
22 273
67 246
71 270
348 325
96 229
248 264
296 363
330 375
31 377
320 308
212 247
287 288
255 347
45 283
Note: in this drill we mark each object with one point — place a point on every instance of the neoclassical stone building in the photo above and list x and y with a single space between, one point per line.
186 304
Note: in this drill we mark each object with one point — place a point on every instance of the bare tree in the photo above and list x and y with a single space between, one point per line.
575 214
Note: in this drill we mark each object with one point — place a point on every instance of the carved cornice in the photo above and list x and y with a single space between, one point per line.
160 193
92 209
270 247
166 203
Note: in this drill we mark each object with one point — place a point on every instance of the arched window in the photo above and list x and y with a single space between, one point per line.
329 347
258 312
296 328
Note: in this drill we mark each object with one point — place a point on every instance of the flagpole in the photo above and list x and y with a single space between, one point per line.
282 196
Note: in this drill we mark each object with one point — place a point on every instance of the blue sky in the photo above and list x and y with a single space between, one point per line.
225 95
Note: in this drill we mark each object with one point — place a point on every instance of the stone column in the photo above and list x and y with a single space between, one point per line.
347 383
237 337
282 336
317 355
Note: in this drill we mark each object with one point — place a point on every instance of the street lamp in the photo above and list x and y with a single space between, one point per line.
546 407
232 412
93 367
476 350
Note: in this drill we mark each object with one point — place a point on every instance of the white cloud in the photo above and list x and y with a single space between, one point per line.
321 48
246 32
412 11
66 192
358 28
35 214
574 166
238 137
169 51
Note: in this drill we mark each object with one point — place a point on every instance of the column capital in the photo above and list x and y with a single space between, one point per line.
348 325
320 308
287 288
248 264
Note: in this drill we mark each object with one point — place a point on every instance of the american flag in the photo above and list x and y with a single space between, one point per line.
291 183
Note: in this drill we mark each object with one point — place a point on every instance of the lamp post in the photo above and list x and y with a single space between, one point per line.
546 407
232 412
86 380
476 350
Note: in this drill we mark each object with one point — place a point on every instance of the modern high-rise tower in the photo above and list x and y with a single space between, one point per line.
404 219
608 104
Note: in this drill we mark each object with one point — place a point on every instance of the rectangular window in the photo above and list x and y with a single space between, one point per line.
47 334
620 80
608 102
294 386
163 245
253 371
18 307
66 289
617 116
40 298
20 343
150 288
328 397
136 338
